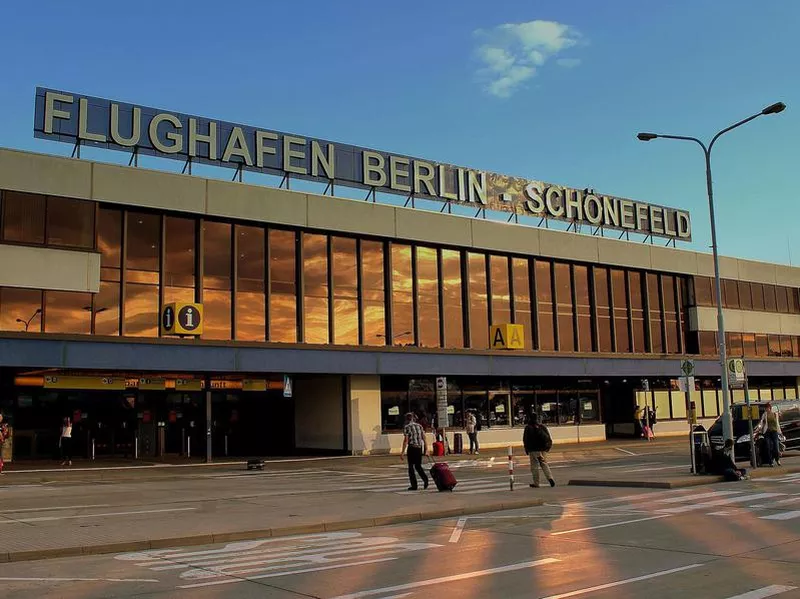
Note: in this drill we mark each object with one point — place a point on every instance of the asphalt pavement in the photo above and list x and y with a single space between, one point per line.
348 528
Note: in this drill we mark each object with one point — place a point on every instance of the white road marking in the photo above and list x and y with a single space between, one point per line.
624 451
566 532
621 582
769 591
782 516
457 530
53 509
103 515
638 496
19 579
454 578
698 496
699 506
648 469
627 465
793 499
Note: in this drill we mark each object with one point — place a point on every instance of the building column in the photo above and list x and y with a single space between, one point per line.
365 428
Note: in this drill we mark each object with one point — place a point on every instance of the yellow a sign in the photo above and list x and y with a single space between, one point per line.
508 336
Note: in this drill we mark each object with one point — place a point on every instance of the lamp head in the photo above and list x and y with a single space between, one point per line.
646 136
774 108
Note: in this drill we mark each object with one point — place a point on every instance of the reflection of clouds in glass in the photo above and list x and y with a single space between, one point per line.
106 306
179 257
316 320
109 237
372 265
282 256
451 293
478 309
344 266
65 312
178 294
345 318
143 241
250 316
141 310
401 268
217 251
250 253
315 265
374 323
216 314
283 318
428 296
22 304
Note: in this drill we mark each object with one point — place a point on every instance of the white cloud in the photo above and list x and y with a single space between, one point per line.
568 63
512 53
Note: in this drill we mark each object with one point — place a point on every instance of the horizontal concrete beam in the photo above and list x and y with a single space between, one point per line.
745 321
46 268
47 352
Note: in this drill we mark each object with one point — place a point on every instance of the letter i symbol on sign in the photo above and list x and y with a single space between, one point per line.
189 318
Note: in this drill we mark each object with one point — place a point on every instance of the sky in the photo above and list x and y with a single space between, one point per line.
548 90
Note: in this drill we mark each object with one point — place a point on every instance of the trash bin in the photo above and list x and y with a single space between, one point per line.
701 450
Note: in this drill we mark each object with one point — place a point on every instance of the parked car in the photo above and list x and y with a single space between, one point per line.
789 415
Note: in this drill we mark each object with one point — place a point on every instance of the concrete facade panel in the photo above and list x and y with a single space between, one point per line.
515 239
37 173
760 272
745 321
673 260
151 189
618 253
430 227
350 216
787 275
47 268
261 204
568 246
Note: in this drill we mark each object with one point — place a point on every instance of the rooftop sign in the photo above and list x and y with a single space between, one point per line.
75 118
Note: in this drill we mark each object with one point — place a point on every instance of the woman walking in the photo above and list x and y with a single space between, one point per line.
65 442
472 431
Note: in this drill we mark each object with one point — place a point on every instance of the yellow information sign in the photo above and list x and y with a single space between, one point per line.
508 336
254 385
89 383
181 318
188 385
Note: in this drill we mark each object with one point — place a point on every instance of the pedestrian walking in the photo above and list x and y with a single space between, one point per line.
3 437
638 429
770 427
651 417
472 431
537 442
415 445
65 442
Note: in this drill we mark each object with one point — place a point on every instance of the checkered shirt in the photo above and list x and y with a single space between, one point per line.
415 434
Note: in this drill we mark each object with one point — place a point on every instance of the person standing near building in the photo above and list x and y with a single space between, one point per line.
537 442
472 431
65 442
3 437
415 445
638 430
770 427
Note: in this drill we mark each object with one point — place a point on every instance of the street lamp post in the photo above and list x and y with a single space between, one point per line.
727 424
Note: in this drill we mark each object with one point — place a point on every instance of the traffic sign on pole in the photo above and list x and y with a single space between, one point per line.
687 367
736 373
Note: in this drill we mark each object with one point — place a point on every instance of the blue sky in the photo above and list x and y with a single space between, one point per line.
554 91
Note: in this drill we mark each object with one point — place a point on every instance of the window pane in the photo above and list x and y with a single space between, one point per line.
735 345
757 291
20 310
637 312
106 309
730 294
762 346
501 294
671 314
402 296
478 308
372 293
70 223
522 298
179 259
453 315
68 312
782 299
345 303
749 345
566 327
143 241
428 297
216 280
283 289
703 291
315 287
654 298
745 299
584 308
141 310
23 217
770 301
786 346
620 310
250 288
603 309
774 345
544 295
109 237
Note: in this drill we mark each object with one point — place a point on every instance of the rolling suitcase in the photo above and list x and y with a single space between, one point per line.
458 443
443 477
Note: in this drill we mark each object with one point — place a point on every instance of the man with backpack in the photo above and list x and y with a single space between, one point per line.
538 442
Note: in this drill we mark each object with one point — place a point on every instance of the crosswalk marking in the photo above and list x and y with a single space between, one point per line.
782 516
695 497
699 506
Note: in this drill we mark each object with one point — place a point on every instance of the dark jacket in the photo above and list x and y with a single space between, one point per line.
536 438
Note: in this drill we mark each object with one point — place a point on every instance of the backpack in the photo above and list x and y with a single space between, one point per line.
547 440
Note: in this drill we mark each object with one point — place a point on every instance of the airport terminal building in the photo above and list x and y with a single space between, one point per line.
170 313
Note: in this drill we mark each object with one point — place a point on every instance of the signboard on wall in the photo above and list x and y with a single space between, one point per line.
182 318
80 119
507 336
441 401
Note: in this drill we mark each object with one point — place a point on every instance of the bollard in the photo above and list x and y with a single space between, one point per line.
226 446
92 449
511 468
188 447
136 448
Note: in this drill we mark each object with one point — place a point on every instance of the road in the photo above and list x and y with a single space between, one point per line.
722 541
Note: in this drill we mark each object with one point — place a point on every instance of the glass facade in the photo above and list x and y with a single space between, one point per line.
271 284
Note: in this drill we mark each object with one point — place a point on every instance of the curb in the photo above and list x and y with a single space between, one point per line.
695 481
249 535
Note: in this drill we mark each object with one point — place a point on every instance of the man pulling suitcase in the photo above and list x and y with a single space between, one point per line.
415 445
